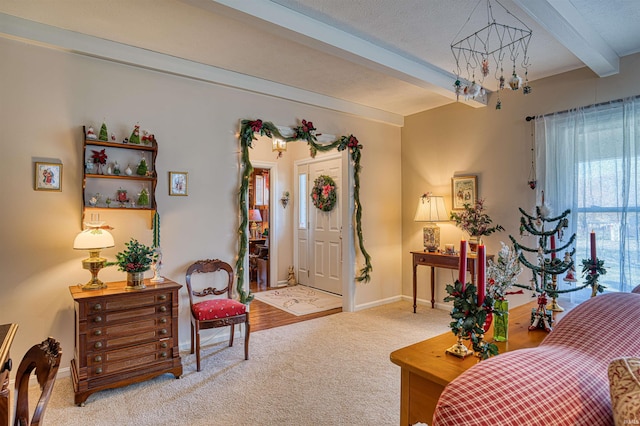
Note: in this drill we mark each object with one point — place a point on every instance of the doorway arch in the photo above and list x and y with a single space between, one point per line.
304 132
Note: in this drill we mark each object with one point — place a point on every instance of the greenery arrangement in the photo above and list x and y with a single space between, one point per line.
474 221
469 319
503 273
137 257
593 270
307 132
323 194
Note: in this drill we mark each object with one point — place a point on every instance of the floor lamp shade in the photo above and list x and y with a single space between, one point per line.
431 209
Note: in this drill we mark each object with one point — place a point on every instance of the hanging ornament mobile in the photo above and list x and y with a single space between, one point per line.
533 181
493 44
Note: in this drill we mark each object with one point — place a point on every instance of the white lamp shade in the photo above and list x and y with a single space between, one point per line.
93 239
431 209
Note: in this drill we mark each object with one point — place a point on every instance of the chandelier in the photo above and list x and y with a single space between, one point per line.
487 51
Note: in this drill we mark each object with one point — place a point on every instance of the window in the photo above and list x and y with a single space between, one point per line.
302 201
589 160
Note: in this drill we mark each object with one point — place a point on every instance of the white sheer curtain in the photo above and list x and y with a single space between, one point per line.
587 161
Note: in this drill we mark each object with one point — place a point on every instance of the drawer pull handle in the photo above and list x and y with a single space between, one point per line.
163 320
163 309
163 345
99 370
98 345
97 307
98 358
162 297
97 319
163 354
98 332
163 331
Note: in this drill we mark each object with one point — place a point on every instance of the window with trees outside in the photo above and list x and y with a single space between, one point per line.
587 161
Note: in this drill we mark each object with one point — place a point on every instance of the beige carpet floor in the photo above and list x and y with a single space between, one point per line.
333 370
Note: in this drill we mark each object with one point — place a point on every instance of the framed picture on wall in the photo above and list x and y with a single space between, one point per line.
48 177
259 189
178 183
464 190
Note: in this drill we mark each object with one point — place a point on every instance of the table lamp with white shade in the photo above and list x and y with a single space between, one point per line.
94 238
431 209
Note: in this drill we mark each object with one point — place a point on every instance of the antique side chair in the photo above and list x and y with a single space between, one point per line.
209 310
44 358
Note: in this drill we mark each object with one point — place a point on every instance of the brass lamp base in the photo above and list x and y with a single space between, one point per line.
94 264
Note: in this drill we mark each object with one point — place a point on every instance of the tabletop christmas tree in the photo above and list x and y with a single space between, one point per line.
547 265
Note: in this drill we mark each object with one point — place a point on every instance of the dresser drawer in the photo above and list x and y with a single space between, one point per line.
114 336
134 314
127 358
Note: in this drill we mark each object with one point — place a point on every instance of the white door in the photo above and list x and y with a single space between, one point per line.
324 232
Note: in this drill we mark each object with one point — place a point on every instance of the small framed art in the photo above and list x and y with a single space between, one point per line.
48 177
178 183
464 190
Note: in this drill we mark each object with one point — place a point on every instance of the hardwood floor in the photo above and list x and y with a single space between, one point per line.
264 316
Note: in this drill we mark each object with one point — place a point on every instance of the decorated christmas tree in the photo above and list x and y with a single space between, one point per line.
142 167
547 264
143 197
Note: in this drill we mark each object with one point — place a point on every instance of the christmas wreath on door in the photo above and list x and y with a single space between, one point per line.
323 194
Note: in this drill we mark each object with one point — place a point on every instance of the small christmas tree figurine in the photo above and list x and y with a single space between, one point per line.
142 167
135 135
143 197
104 136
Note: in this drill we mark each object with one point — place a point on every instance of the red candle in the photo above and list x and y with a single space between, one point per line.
553 247
482 282
593 246
462 276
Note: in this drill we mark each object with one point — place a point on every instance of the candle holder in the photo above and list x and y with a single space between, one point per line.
554 306
459 349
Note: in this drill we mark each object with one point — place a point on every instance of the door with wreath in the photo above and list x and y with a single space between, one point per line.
325 226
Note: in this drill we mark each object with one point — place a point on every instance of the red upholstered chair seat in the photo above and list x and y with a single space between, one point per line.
213 307
218 308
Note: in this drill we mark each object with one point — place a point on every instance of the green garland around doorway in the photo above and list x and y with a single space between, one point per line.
306 132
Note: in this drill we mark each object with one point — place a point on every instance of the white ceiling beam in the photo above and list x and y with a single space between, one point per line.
12 27
566 24
321 36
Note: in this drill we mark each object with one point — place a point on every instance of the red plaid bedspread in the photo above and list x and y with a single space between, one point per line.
561 382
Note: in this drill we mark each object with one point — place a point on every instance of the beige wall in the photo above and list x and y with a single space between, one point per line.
495 145
47 95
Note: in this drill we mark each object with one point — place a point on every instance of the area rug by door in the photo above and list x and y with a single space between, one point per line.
300 300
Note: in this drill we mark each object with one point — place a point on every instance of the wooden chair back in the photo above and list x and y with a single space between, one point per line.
44 358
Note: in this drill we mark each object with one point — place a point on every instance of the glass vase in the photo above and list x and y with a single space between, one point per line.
501 320
135 281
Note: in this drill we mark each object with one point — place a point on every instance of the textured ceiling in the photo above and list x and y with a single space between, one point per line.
389 55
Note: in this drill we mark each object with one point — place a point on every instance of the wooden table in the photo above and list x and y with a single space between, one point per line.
440 260
7 333
426 369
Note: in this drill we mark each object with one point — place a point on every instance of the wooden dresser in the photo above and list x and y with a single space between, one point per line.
124 336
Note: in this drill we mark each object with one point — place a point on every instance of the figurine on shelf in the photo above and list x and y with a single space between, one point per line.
128 170
122 196
147 138
91 134
93 201
113 137
108 202
116 168
143 197
142 167
103 133
135 135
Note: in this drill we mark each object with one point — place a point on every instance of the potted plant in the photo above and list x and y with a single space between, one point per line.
475 222
502 274
135 260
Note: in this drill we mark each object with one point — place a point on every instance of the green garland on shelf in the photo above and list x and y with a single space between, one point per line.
306 132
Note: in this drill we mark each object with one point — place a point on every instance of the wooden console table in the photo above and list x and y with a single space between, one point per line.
426 368
440 260
7 333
